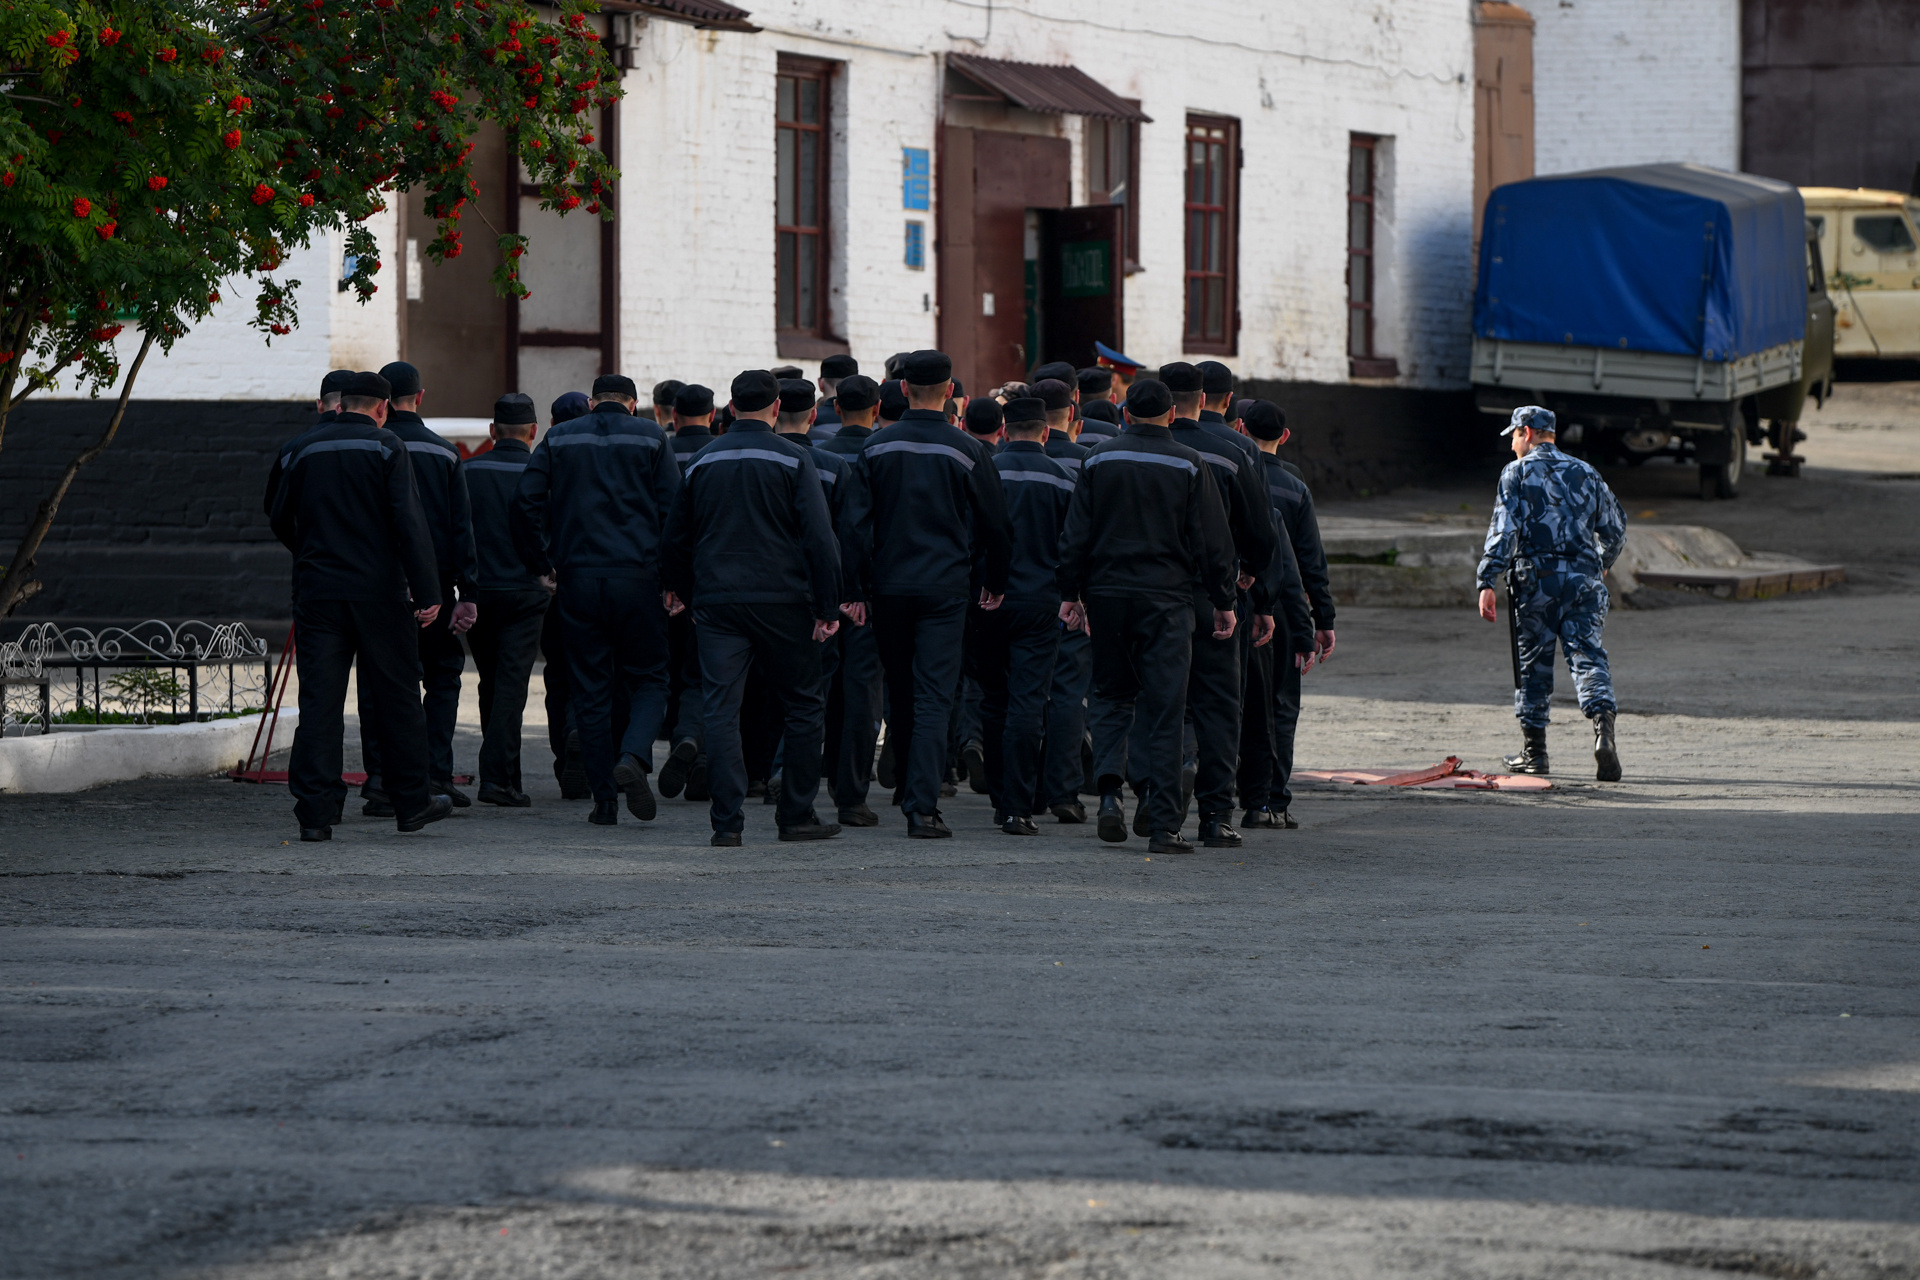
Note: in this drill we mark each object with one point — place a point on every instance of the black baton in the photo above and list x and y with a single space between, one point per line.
1513 621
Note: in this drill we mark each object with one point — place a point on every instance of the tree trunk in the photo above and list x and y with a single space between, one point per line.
19 584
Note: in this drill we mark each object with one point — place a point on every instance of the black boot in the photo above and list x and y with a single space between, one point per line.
1606 753
1533 756
1216 832
606 813
1113 818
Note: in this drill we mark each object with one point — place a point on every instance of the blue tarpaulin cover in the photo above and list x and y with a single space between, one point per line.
1675 258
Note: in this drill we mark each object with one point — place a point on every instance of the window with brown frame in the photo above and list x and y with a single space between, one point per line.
1213 227
1113 173
1363 191
800 202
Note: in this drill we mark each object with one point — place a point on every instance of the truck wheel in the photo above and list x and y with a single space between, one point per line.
1722 479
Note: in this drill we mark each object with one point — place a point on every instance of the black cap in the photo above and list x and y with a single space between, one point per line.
1215 378
615 384
796 395
1180 378
1055 369
1264 420
567 407
856 392
893 400
367 386
664 392
1238 409
693 400
785 371
839 367
1101 411
754 390
1149 398
927 368
984 417
403 378
895 363
1095 381
335 382
514 410
1023 409
1054 393
959 389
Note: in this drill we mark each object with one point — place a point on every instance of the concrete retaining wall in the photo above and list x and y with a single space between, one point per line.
61 762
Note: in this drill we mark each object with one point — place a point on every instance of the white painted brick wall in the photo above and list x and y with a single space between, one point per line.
1635 82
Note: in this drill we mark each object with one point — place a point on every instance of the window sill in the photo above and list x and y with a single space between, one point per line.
1373 367
805 346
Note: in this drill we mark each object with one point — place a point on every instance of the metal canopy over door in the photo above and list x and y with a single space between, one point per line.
1082 253
988 182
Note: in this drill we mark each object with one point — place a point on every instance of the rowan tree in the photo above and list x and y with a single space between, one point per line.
156 152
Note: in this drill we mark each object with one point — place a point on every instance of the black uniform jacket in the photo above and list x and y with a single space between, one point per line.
1214 424
281 459
1062 449
688 441
826 421
847 441
349 511
492 479
1249 512
1293 504
750 526
1146 521
595 497
927 498
443 495
1039 493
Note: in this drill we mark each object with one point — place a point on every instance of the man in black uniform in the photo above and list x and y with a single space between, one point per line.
854 695
443 496
686 766
826 421
1099 421
348 510
512 602
750 545
1064 766
1010 651
928 502
1264 783
591 508
327 405
1146 524
664 395
562 737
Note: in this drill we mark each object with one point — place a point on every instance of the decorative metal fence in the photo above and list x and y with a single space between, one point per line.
152 673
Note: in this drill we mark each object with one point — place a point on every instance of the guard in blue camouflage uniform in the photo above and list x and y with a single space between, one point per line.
1556 528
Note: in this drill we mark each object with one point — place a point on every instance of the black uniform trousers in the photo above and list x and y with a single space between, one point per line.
685 719
920 639
777 639
329 636
505 639
616 630
1063 773
1213 704
442 660
1010 656
1286 719
1141 650
559 688
853 714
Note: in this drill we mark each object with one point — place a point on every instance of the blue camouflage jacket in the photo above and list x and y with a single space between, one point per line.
1556 511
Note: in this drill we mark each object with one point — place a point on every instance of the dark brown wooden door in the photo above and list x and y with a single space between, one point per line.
1082 254
988 182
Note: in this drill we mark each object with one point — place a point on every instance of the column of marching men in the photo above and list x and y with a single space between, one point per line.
1089 584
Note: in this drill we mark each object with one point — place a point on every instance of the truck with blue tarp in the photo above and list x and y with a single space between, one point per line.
1666 310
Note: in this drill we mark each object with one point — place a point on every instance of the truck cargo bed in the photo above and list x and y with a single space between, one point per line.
1527 367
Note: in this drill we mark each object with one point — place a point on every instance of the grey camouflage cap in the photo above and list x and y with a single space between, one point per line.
1531 416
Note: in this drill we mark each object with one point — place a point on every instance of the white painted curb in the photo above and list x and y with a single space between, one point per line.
75 761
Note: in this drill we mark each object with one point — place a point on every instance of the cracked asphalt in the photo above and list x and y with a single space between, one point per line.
1665 1028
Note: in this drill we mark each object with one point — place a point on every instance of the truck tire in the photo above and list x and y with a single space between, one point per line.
1719 480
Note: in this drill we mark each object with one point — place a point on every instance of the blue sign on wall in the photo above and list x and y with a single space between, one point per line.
917 246
916 186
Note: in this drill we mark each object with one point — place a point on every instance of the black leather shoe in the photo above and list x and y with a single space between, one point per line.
1533 754
505 797
1070 811
678 768
927 826
1262 817
859 816
606 813
949 789
814 829
773 792
1606 752
630 776
571 773
725 840
973 758
378 805
1168 842
1020 827
437 808
313 835
697 781
756 789
460 798
1113 818
1218 833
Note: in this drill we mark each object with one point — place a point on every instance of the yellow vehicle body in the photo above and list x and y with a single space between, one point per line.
1870 241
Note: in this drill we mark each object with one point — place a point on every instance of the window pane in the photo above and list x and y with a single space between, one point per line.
1360 171
1217 175
1886 233
1096 159
808 213
1216 242
783 275
1120 161
785 168
1194 302
1197 172
786 98
1359 225
809 102
808 282
1196 241
1359 279
1216 309
1357 341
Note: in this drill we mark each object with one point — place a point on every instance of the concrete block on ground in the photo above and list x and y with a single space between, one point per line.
59 762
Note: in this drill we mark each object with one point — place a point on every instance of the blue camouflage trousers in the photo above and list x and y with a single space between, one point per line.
1570 608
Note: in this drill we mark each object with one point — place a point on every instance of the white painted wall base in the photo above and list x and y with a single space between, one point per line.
59 762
